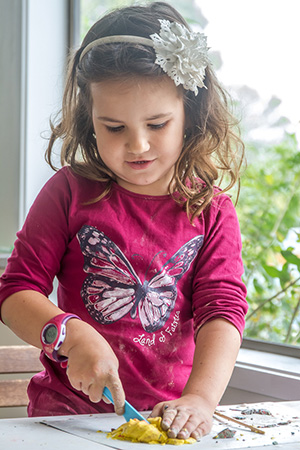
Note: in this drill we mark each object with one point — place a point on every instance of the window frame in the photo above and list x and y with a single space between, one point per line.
271 347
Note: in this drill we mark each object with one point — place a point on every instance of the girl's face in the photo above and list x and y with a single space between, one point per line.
139 126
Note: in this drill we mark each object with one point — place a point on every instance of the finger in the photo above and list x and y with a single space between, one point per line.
178 424
91 390
94 393
106 400
190 426
74 381
118 395
168 417
158 410
84 388
195 429
197 434
204 427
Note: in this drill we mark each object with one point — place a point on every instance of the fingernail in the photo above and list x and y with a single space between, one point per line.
166 423
172 433
119 411
197 437
183 433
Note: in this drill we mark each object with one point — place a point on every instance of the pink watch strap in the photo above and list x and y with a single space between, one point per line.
51 350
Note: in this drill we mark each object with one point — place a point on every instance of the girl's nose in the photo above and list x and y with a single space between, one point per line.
138 143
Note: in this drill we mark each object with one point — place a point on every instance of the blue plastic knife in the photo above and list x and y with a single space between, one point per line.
130 412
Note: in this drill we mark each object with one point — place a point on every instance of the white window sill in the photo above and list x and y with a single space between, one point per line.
267 374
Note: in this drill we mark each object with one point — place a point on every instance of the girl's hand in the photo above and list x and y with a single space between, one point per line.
187 416
92 364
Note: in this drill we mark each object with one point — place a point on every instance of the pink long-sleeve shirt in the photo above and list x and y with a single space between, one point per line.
134 268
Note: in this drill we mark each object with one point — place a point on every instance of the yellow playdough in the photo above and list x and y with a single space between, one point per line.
150 433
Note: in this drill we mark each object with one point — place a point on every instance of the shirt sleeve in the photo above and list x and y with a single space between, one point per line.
218 290
41 243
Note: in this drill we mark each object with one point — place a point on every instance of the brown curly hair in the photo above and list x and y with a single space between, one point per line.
212 148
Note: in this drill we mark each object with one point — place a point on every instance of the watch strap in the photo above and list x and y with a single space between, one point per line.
51 350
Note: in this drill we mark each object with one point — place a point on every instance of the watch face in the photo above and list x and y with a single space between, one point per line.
50 334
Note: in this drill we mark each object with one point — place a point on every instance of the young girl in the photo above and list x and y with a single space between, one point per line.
146 250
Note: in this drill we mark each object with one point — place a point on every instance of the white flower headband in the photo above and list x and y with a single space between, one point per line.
181 53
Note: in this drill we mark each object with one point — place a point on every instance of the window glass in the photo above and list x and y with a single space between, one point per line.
254 49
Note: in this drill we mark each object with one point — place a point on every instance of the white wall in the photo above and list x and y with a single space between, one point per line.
10 107
34 44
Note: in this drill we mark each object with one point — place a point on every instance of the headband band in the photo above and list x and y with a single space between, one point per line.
181 53
116 39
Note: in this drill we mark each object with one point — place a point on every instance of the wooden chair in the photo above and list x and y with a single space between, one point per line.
17 359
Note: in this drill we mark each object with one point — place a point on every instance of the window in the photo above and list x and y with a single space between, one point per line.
254 51
35 41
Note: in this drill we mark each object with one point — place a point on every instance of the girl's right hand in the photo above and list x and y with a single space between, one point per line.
92 364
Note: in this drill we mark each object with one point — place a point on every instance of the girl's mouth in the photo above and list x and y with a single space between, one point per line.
138 165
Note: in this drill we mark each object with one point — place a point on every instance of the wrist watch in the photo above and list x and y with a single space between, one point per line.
53 335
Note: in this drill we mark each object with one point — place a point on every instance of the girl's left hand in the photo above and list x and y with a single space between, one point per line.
188 416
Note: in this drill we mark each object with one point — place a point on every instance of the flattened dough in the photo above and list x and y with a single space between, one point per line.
140 431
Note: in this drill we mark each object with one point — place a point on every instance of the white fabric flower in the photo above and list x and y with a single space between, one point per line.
182 54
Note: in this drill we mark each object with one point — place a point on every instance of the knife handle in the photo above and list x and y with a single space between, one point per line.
108 395
130 412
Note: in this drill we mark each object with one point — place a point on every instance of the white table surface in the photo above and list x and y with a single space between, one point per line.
30 434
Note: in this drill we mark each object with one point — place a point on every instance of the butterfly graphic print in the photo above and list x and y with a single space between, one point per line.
112 288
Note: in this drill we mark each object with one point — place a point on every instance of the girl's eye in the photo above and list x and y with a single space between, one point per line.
153 126
158 126
114 129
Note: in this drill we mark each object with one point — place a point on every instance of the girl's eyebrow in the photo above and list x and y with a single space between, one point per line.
108 119
155 116
159 116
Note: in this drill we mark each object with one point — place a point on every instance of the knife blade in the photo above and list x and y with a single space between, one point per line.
130 412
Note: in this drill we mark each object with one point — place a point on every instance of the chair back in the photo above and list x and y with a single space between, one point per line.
17 359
